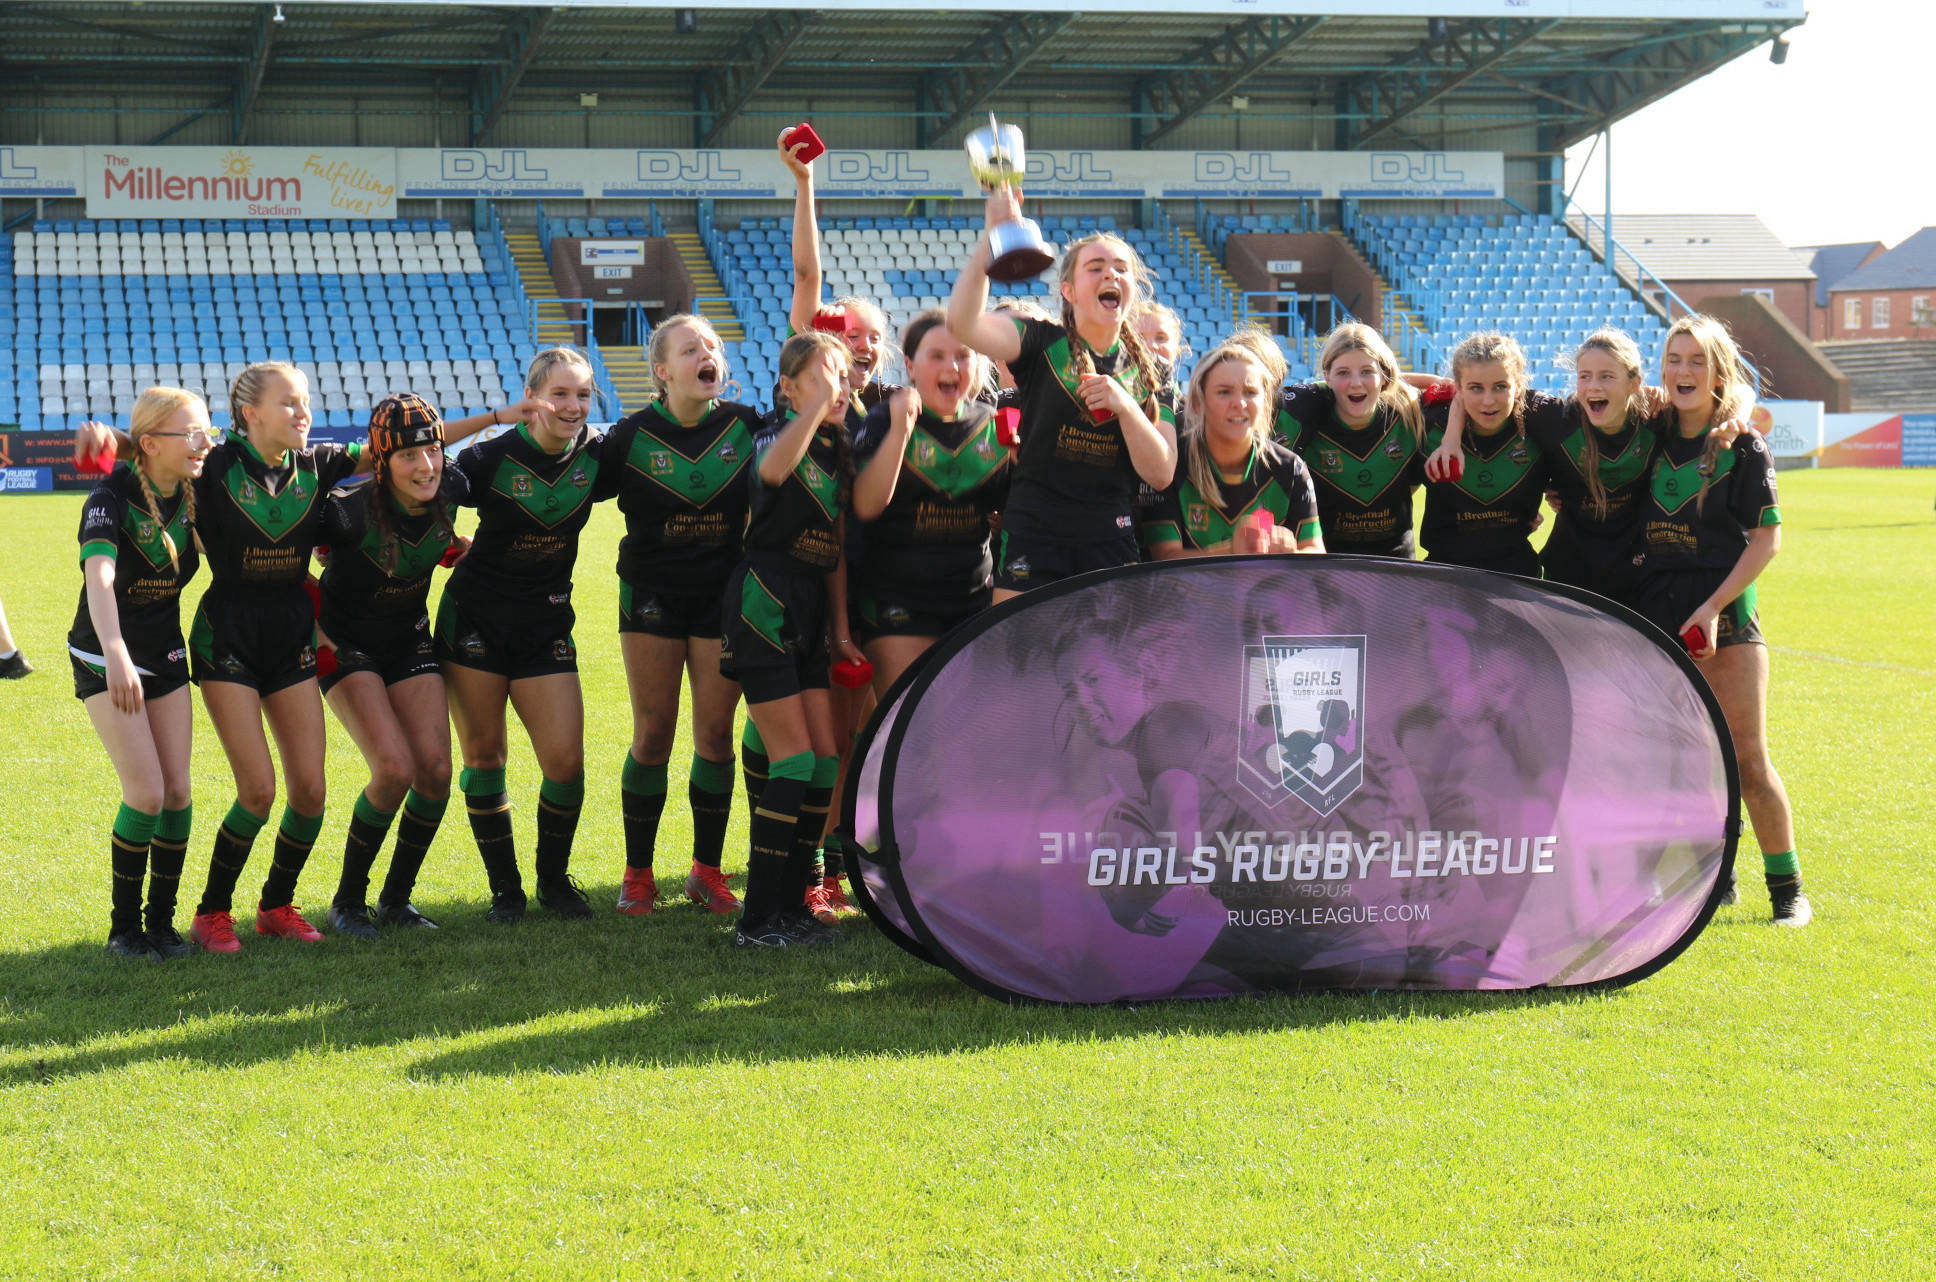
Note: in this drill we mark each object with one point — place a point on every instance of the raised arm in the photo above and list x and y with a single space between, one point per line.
806 238
874 487
993 335
817 384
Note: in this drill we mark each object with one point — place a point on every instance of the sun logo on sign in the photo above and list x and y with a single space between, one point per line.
237 164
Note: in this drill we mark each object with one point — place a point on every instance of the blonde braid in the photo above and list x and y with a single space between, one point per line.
152 501
1078 350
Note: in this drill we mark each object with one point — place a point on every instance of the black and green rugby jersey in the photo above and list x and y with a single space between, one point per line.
1073 482
258 523
115 523
1493 508
791 527
931 543
1680 530
358 592
531 507
1622 465
683 493
1365 475
1275 480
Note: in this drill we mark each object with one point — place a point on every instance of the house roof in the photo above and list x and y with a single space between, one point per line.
1833 262
1910 265
1709 247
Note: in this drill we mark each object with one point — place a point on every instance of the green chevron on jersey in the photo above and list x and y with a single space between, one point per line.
278 512
1618 470
960 471
1675 483
547 502
1364 479
696 480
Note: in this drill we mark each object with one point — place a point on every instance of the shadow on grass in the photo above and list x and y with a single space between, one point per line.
551 997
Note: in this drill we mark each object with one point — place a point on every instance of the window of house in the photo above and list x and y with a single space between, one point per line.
1879 313
1764 294
1851 313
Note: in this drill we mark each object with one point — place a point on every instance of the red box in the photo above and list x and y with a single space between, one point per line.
804 133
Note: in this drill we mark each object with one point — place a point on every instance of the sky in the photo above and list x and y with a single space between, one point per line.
1836 145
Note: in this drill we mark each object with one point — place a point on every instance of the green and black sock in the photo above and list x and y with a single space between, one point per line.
230 856
489 807
369 825
559 802
295 838
128 853
415 831
711 793
1783 871
753 764
642 797
807 868
166 855
771 885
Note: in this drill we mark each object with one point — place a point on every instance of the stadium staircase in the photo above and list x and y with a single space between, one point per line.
707 287
534 273
631 376
1891 374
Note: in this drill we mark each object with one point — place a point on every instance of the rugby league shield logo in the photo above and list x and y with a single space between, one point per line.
1302 727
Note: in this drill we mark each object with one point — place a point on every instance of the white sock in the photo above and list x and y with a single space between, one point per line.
8 655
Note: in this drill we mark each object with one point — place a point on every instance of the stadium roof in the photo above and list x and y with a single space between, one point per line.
1833 262
1710 247
1910 265
1392 73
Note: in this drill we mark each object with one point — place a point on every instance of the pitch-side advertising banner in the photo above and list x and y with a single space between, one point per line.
668 174
1267 774
1793 429
240 182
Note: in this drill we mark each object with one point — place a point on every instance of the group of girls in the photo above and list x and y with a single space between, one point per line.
853 526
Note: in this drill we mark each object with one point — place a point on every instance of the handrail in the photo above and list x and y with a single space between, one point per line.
1638 280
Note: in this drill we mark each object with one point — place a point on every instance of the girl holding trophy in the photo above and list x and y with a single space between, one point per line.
1095 417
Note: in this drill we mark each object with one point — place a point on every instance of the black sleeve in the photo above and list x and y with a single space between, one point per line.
339 519
609 450
469 471
456 486
1295 477
1755 501
101 521
873 429
336 463
1307 404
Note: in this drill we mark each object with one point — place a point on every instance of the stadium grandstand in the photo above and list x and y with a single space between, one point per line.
483 178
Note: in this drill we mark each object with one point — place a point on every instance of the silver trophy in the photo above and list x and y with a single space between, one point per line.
1016 251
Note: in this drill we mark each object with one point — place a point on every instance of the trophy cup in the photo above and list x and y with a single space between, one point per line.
1015 250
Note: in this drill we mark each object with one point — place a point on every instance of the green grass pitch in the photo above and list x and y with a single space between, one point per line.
631 1097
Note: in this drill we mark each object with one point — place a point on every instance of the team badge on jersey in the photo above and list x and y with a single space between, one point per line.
1394 448
578 477
727 453
562 651
924 452
1331 459
521 487
661 460
1302 720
